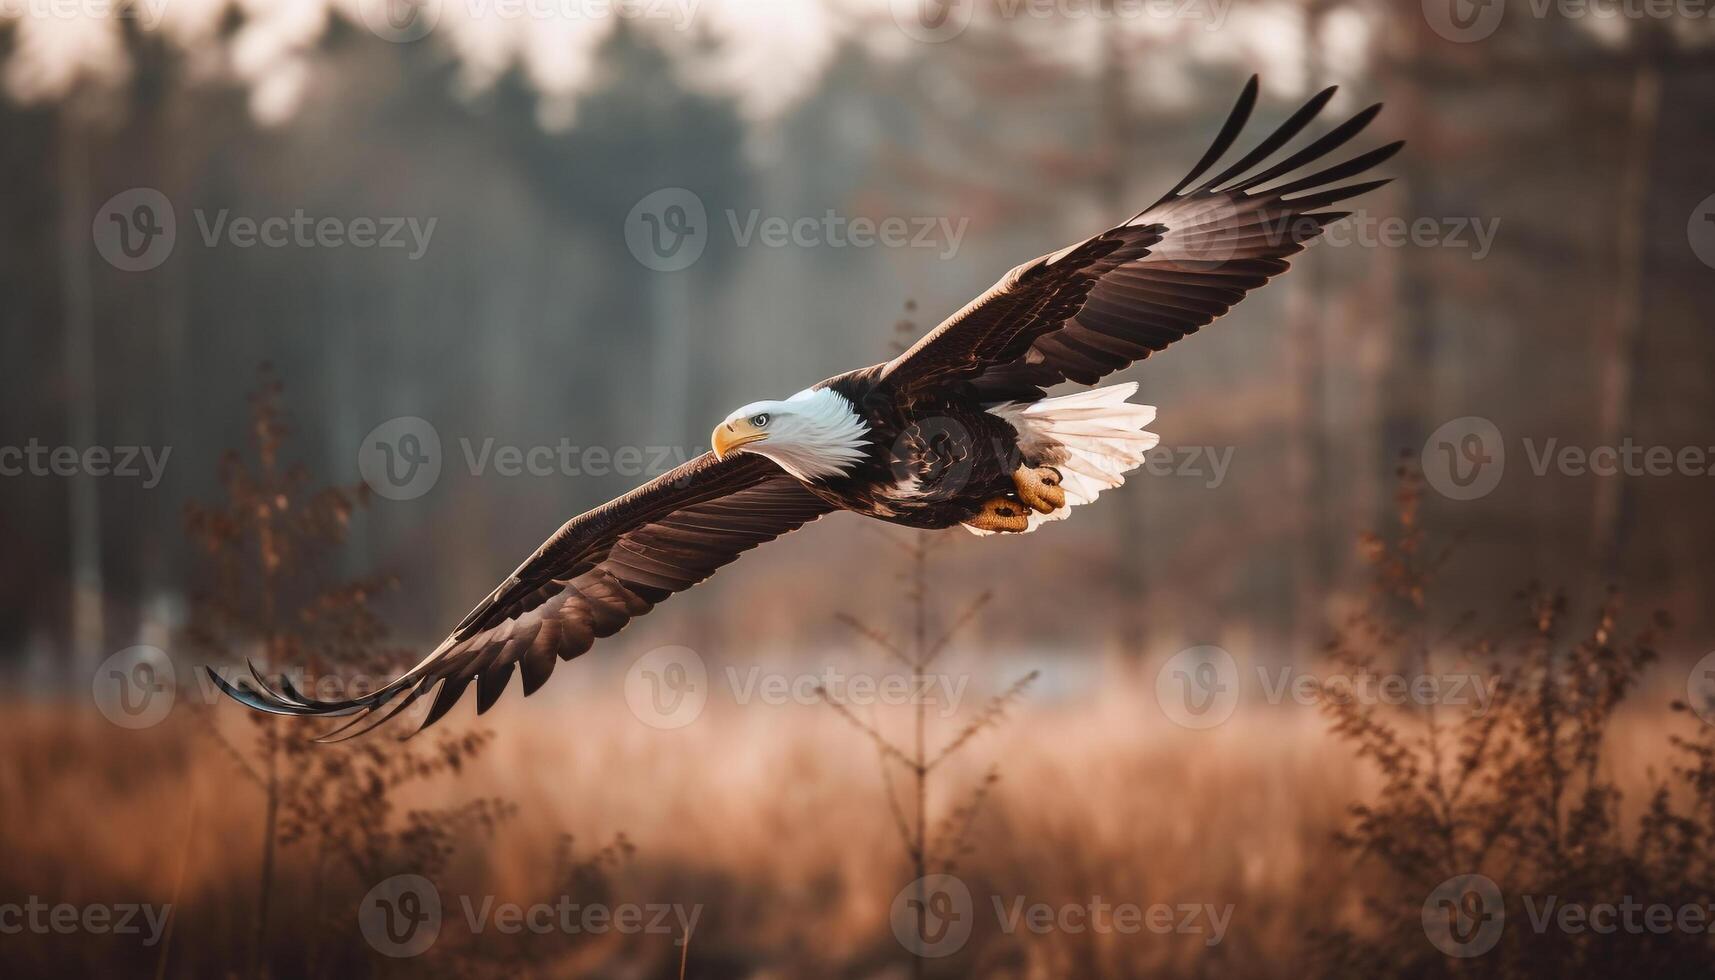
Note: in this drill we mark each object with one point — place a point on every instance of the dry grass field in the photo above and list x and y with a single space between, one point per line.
767 820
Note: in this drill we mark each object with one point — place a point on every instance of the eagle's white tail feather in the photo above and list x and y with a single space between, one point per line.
1093 437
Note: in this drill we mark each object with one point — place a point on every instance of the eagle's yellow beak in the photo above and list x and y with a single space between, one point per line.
729 436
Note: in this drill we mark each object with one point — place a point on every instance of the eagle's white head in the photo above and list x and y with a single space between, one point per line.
814 435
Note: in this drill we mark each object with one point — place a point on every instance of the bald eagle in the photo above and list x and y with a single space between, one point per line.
958 430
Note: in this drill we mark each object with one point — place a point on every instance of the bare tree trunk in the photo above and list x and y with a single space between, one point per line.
266 549
166 950
1308 466
88 626
1412 347
919 659
318 882
670 352
1132 572
1617 346
270 824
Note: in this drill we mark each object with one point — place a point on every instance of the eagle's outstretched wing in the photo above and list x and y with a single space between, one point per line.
1095 307
594 575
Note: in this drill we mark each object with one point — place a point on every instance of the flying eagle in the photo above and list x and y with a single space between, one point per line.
957 430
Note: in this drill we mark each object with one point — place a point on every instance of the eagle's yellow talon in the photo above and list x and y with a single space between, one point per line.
1001 514
1040 488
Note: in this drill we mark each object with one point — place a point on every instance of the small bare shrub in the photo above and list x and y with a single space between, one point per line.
269 594
1519 792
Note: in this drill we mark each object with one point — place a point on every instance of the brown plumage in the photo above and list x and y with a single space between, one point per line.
938 436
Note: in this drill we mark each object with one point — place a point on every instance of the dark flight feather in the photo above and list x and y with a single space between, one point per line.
1093 308
588 580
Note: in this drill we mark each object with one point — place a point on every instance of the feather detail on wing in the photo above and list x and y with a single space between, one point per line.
592 577
1097 306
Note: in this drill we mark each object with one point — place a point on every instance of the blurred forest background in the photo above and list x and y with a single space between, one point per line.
1583 141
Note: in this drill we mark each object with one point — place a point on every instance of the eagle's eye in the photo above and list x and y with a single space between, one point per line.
759 420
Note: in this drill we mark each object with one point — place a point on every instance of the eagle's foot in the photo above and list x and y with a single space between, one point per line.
1040 488
1001 514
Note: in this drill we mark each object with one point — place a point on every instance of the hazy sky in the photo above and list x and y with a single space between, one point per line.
769 52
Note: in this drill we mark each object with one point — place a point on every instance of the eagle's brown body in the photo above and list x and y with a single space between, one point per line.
934 458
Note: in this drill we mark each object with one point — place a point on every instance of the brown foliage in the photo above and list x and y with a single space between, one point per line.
270 594
1520 792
